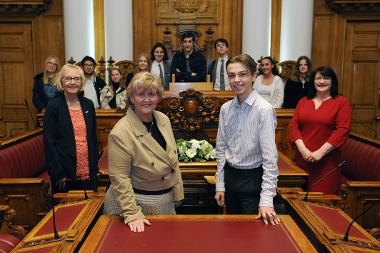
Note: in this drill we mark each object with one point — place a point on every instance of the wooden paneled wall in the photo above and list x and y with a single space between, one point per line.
149 29
346 36
26 39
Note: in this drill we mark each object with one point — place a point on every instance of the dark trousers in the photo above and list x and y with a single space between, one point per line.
243 188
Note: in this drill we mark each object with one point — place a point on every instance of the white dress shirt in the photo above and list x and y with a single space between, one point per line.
217 74
246 139
90 92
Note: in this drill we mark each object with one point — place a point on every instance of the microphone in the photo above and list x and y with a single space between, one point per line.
345 238
56 235
323 178
30 113
85 189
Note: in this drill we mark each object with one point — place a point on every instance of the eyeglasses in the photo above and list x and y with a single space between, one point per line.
52 63
68 79
88 65
241 75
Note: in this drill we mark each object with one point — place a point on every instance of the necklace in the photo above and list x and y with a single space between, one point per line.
149 126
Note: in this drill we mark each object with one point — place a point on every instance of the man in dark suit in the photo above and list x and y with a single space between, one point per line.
189 65
93 83
217 68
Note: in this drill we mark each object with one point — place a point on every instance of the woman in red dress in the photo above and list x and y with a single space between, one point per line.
319 127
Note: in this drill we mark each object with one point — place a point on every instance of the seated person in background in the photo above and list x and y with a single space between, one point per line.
143 162
319 127
188 65
93 83
217 68
297 85
44 88
268 84
161 64
114 94
71 146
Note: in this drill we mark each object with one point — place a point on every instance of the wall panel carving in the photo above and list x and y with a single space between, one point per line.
162 20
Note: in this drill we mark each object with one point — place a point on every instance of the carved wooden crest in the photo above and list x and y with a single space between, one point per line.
191 112
186 11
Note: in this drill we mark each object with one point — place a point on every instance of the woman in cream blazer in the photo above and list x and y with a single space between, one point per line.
143 162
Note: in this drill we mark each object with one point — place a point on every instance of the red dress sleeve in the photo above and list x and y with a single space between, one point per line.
342 125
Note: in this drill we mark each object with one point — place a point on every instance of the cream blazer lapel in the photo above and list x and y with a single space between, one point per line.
147 140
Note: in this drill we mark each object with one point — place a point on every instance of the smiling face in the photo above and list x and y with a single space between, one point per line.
158 54
240 79
71 81
266 66
322 84
145 102
115 76
143 63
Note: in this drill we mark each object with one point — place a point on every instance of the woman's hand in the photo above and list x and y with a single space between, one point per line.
315 156
138 225
268 214
304 151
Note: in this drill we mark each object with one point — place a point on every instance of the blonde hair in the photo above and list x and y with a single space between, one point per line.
147 58
146 81
46 75
65 68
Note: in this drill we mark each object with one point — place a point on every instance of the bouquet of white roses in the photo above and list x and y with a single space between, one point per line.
194 150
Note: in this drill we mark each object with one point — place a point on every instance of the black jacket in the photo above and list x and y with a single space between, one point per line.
40 99
197 63
60 148
99 85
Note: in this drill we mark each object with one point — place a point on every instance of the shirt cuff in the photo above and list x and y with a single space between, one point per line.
220 187
266 201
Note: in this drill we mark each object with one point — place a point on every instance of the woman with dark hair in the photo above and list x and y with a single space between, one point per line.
44 88
319 127
268 84
296 86
160 64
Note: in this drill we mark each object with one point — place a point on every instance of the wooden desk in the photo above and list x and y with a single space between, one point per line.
199 196
325 227
73 222
198 233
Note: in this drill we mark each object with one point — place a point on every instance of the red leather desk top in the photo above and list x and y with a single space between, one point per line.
64 219
222 235
336 221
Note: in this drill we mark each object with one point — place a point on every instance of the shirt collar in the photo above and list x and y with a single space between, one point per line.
225 58
251 99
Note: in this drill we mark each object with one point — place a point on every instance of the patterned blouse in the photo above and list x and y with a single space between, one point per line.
80 134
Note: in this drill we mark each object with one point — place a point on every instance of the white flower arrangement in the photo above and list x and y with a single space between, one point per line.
194 150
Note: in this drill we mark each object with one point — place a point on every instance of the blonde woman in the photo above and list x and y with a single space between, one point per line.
44 88
143 162
70 134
